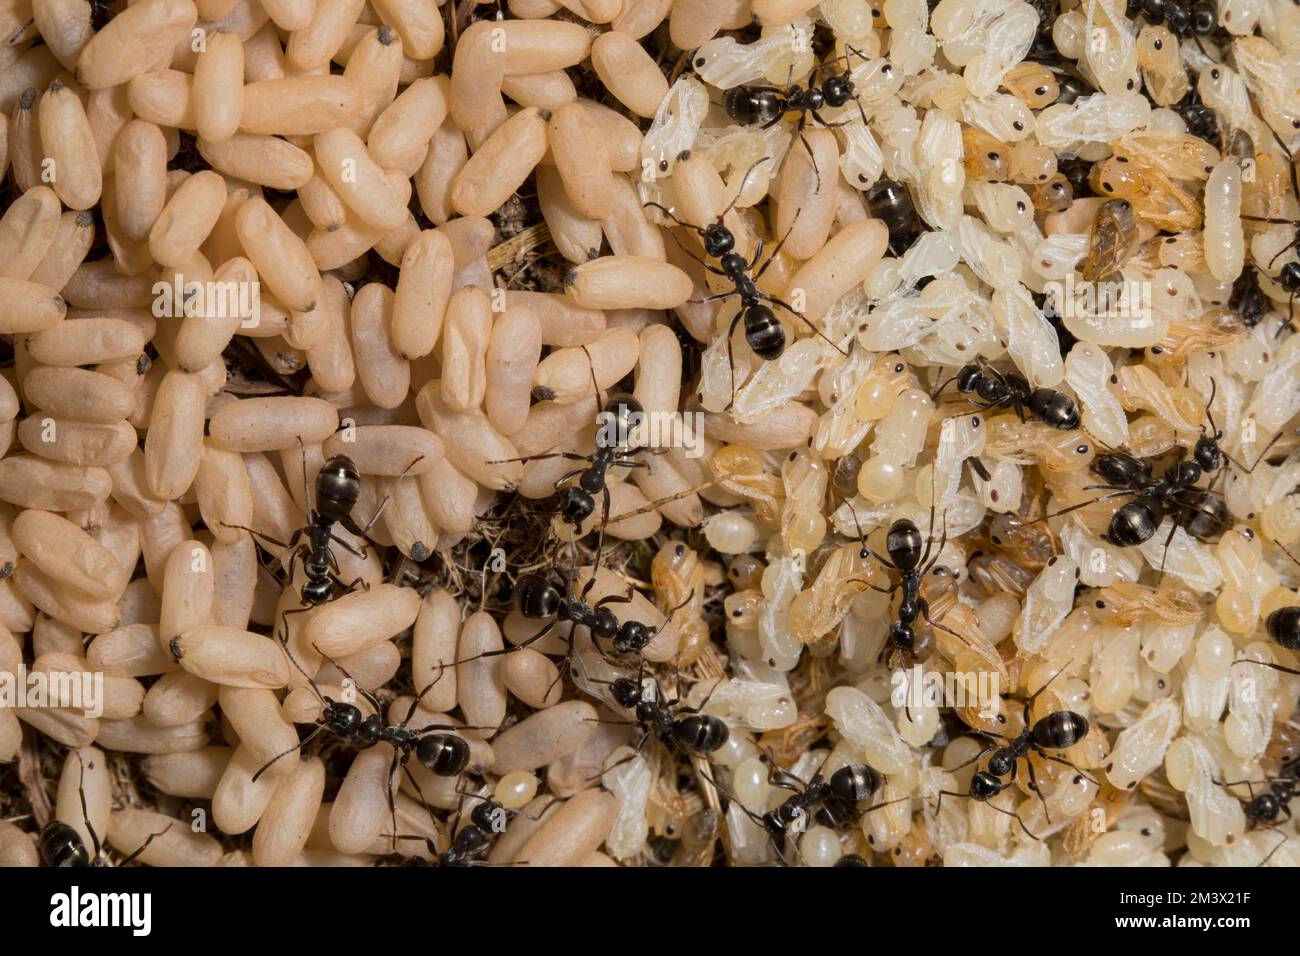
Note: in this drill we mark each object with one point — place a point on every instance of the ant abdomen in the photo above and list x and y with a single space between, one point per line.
752 107
61 845
338 486
535 597
445 754
854 782
700 734
1283 626
1060 730
763 332
1136 521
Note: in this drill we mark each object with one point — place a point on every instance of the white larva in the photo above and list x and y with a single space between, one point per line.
1223 238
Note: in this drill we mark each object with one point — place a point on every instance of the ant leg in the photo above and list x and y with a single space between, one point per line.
306 490
976 759
131 858
758 252
349 588
297 535
1065 763
616 598
600 540
1276 667
85 810
1033 785
302 743
828 125
806 321
731 358
506 650
1016 817
347 520
948 793
744 180
808 149
1284 836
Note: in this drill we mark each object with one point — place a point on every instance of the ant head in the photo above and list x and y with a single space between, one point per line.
342 719
632 636
718 240
626 692
317 591
837 90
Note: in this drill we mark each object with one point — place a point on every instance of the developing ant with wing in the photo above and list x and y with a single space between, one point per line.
1059 730
991 388
60 844
763 330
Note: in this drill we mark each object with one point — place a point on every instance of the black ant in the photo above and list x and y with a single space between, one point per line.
1059 730
909 556
1197 20
1202 512
1289 276
763 330
537 599
832 802
578 501
1283 626
686 728
468 848
473 841
995 389
1265 810
60 844
764 106
443 754
338 486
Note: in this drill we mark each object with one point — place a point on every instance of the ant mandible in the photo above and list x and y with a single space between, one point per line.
764 333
